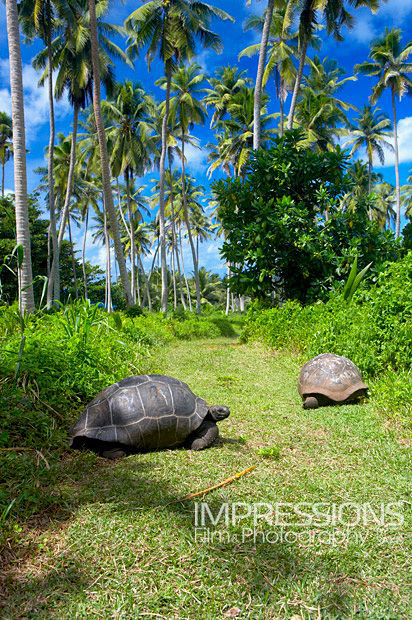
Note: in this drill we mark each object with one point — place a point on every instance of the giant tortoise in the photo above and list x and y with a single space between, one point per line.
145 413
328 379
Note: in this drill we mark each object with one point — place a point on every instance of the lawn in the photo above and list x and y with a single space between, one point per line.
121 545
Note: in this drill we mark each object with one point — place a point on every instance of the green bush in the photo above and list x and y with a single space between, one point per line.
375 331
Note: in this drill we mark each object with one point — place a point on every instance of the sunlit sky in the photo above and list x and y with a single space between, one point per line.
354 49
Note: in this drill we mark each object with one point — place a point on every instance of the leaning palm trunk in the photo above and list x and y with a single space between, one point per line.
25 278
104 159
50 178
297 83
172 260
260 72
189 230
398 189
86 226
164 295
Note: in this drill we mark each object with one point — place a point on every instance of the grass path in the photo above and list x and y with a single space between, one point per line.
123 548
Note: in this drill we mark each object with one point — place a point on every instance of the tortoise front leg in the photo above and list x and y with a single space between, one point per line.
203 437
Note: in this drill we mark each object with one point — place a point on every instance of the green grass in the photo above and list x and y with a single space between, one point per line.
117 544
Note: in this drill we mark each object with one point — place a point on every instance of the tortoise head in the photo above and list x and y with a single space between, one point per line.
219 412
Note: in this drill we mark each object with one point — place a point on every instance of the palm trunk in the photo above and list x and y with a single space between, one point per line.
86 226
108 301
3 163
105 169
50 177
48 250
139 299
370 182
260 72
228 292
76 292
146 282
184 273
132 238
164 295
398 189
282 109
297 83
189 230
55 270
174 238
172 261
25 277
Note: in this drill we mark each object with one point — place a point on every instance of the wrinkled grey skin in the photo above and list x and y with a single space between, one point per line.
144 413
329 379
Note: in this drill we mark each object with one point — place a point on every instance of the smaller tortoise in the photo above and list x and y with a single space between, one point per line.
144 413
328 379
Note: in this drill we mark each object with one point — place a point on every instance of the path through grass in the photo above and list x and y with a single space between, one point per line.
124 548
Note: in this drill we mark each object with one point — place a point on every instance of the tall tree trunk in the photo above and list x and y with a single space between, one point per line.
108 301
76 292
228 291
282 108
50 175
48 251
370 181
146 282
55 270
139 299
25 277
172 261
398 188
174 236
188 227
162 179
105 169
86 227
260 72
3 163
297 83
184 272
132 238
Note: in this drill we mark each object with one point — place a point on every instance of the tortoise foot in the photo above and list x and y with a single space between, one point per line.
310 403
115 453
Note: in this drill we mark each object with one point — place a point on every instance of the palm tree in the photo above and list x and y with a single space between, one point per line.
187 110
109 209
336 16
226 83
25 278
130 113
6 144
260 71
383 211
370 134
389 63
39 18
71 56
319 112
235 140
280 53
171 29
407 196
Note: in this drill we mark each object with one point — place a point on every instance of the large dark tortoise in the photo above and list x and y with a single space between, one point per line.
328 379
145 413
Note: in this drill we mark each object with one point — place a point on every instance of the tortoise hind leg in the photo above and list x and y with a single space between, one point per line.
203 437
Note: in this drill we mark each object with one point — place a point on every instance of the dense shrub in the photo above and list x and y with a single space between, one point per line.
375 331
285 232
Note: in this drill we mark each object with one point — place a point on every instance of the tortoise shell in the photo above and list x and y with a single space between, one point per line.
331 375
147 412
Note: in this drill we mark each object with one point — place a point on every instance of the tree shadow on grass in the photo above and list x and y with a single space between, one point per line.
38 585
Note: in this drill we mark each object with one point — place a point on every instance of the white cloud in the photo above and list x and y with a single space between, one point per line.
405 144
196 159
36 99
396 8
364 29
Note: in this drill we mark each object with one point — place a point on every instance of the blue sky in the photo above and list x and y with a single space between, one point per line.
354 49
